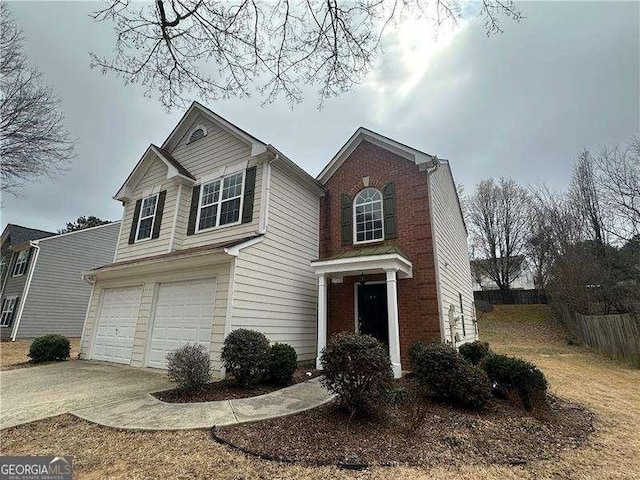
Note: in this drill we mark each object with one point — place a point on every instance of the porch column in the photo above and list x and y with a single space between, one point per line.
394 328
322 317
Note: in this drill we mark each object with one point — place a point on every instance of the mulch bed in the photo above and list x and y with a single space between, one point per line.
229 390
501 434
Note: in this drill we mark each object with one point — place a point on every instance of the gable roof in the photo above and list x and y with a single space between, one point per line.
363 134
17 234
174 169
257 146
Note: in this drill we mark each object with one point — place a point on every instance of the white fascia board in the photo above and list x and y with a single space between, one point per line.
371 263
235 250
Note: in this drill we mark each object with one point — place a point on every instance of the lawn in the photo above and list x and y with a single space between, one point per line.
610 389
14 354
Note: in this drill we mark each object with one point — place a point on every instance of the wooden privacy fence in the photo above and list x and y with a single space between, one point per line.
617 336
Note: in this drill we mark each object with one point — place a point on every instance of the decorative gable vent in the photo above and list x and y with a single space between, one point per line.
199 132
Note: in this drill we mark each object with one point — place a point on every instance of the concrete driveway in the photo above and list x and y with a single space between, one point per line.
34 393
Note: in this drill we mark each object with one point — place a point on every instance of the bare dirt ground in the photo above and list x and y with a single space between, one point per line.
14 354
610 389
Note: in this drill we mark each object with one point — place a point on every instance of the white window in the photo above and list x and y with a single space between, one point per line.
8 306
21 263
368 223
199 132
147 216
221 201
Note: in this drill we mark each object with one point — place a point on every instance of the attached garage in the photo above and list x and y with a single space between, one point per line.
183 314
116 330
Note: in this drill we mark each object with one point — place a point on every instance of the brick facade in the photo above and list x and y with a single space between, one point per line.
417 296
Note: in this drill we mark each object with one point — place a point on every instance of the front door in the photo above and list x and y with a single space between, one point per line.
372 311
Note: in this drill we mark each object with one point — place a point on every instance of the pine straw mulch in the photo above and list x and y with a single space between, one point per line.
426 436
229 390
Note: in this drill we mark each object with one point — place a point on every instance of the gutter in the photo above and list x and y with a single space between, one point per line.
25 291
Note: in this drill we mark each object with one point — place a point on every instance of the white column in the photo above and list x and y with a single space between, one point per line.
394 327
322 317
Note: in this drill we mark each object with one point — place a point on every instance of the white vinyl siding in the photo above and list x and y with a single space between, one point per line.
150 285
275 287
451 251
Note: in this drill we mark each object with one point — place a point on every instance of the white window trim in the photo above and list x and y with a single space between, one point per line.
153 218
13 309
193 130
15 265
221 180
355 225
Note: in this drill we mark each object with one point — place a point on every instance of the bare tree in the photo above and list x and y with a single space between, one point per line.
219 49
618 180
499 221
540 246
33 139
586 198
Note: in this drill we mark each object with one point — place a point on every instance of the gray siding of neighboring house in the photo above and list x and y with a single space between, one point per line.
58 296
14 287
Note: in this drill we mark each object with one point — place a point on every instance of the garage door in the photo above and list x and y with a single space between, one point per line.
184 314
117 325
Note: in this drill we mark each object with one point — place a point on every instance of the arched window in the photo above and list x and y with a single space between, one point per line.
198 133
368 223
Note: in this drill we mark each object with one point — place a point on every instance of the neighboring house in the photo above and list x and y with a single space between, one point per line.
219 230
393 248
481 281
43 290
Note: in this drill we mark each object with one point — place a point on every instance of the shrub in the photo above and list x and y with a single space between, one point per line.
357 369
245 355
448 377
49 348
189 366
474 352
283 361
513 375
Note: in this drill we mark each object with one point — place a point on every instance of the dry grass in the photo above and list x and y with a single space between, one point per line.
14 354
610 389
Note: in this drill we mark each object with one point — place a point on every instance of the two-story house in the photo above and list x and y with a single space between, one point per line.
393 248
218 232
42 287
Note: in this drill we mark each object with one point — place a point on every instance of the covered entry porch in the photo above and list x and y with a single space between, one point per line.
375 302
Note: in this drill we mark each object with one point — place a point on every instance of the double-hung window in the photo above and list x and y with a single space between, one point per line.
368 225
221 201
147 215
21 263
8 307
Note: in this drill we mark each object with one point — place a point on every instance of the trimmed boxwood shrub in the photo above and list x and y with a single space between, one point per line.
49 348
474 352
448 377
189 366
283 361
513 375
245 355
357 369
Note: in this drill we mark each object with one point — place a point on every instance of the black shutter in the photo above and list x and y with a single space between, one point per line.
134 223
157 222
26 267
249 193
347 226
193 211
389 201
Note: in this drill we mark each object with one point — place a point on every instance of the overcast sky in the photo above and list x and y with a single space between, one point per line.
521 104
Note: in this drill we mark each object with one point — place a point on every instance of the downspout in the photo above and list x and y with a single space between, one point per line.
430 170
92 282
266 194
25 291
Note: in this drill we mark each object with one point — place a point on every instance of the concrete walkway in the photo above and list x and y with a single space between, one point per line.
145 412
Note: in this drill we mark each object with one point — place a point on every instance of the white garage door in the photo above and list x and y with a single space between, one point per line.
117 325
184 314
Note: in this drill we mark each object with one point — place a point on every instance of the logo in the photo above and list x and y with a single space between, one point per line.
36 468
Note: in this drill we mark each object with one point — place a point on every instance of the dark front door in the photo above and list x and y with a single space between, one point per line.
372 311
